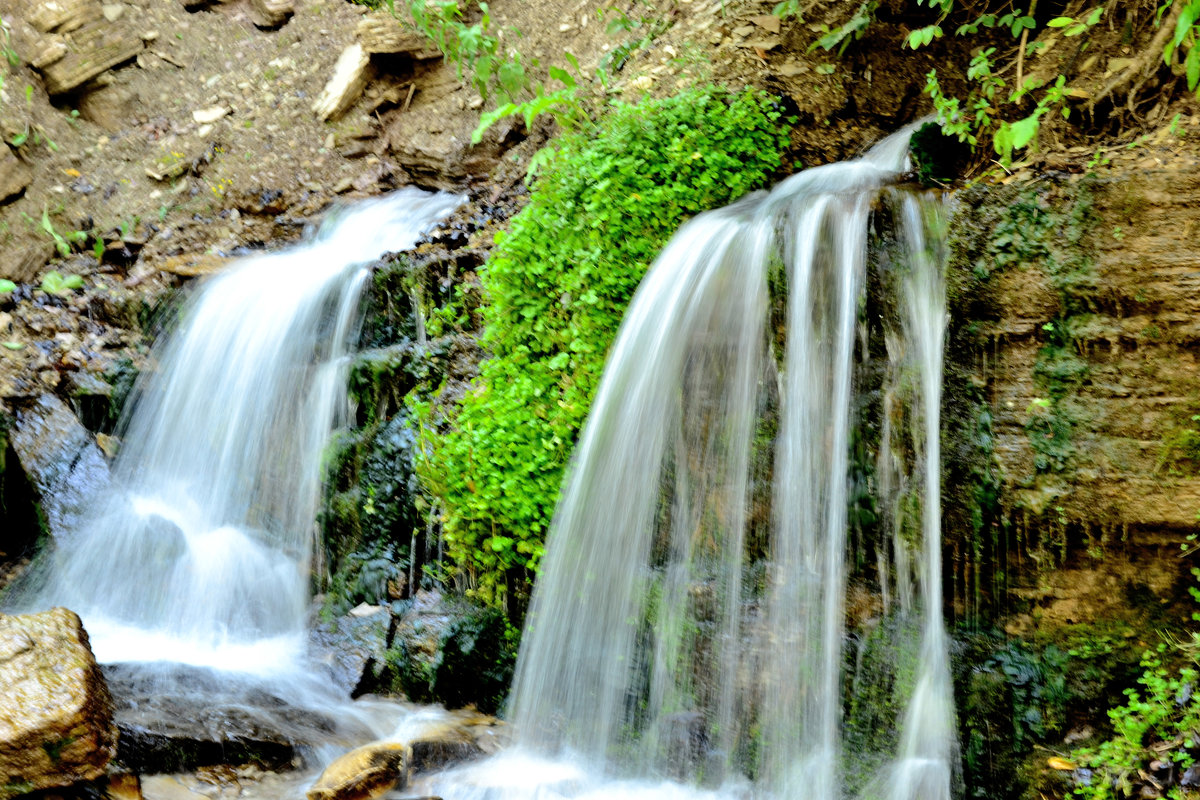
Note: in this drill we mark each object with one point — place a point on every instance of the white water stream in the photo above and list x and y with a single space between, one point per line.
200 552
686 638
686 634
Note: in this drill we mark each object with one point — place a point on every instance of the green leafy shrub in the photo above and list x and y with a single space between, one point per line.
472 48
1155 738
558 283
1157 730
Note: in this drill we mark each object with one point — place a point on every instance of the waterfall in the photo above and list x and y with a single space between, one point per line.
200 552
687 633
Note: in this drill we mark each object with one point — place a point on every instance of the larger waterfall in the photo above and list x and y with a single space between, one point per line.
201 551
688 632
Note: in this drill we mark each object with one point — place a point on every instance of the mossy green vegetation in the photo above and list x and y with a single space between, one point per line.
557 285
1019 700
1155 737
887 661
1038 238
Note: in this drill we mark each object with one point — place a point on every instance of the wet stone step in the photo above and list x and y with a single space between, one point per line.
179 718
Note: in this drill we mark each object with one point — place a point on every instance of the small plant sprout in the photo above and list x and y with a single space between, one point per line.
55 283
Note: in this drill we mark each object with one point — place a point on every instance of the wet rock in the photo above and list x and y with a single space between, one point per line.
167 787
687 740
176 718
62 460
15 175
364 773
123 786
353 647
451 652
453 742
56 723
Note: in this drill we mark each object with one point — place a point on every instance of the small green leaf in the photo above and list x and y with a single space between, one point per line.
7 286
13 345
1060 22
1023 131
560 74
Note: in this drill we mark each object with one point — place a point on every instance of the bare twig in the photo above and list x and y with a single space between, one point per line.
1021 50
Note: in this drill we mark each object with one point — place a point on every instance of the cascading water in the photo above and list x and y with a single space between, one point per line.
924 768
200 551
688 626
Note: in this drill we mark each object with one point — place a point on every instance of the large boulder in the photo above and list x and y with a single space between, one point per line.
56 720
364 773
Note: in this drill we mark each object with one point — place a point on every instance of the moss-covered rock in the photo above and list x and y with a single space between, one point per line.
451 651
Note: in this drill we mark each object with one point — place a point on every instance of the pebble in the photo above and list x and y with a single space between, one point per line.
207 115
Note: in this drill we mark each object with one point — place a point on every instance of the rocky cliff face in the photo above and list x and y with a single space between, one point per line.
1077 316
1073 475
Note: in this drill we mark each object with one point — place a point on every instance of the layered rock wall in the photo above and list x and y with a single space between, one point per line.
1077 313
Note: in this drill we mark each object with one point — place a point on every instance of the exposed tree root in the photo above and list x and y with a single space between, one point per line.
1144 65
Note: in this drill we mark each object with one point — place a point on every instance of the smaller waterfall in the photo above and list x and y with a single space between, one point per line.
686 636
200 553
924 767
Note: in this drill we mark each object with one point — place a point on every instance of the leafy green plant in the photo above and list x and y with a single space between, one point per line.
562 104
786 9
1158 724
1008 112
62 243
978 116
841 36
1183 40
6 46
557 284
55 283
475 52
644 29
